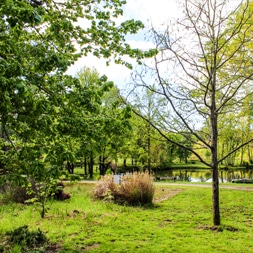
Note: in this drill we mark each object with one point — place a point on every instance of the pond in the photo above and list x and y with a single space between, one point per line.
205 175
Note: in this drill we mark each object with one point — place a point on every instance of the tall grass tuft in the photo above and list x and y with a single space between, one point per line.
138 188
105 188
135 189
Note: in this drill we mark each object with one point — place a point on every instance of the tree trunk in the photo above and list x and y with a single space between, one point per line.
249 154
149 155
215 177
91 163
185 157
101 166
215 197
85 166
70 167
242 155
214 151
149 149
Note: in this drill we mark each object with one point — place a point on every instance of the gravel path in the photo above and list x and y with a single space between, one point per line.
207 185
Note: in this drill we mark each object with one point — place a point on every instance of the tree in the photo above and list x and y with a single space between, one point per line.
93 121
202 72
39 41
110 125
147 104
151 107
115 129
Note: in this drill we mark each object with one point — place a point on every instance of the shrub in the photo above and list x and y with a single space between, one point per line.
58 192
138 188
105 188
135 189
18 194
21 194
27 239
36 192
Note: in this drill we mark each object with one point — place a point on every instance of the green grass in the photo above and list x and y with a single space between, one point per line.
182 223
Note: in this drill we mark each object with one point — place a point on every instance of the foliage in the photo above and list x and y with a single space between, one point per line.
145 147
42 191
29 241
136 188
37 193
17 194
39 41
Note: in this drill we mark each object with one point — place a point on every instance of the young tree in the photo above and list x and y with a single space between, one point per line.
202 72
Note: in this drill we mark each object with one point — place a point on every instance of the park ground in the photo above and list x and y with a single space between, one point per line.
180 220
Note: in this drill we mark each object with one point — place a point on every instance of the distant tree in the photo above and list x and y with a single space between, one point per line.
182 153
103 120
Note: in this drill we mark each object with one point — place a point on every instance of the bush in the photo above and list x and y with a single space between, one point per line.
58 192
21 194
135 189
27 239
138 188
18 194
105 188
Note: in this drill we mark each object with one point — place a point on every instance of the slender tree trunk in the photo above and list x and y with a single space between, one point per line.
70 167
249 154
242 155
149 155
222 151
85 166
185 157
149 149
91 163
2 131
101 166
215 188
2 165
214 151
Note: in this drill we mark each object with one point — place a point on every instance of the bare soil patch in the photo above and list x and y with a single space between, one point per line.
162 194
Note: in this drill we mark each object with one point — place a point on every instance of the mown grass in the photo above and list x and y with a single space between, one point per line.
179 221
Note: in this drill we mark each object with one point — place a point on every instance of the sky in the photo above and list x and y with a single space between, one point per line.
155 12
148 11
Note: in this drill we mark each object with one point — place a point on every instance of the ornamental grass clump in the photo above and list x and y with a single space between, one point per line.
105 188
138 188
135 189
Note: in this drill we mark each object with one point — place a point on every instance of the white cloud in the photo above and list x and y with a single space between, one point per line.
117 73
155 12
148 11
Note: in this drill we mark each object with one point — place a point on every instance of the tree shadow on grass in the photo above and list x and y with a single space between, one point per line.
220 228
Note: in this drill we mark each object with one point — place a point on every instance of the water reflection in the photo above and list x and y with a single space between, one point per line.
205 175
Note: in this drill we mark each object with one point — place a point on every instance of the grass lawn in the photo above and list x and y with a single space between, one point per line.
179 221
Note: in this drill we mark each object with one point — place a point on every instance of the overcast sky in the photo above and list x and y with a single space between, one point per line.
148 11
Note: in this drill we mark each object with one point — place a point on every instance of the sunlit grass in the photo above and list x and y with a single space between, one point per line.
179 221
